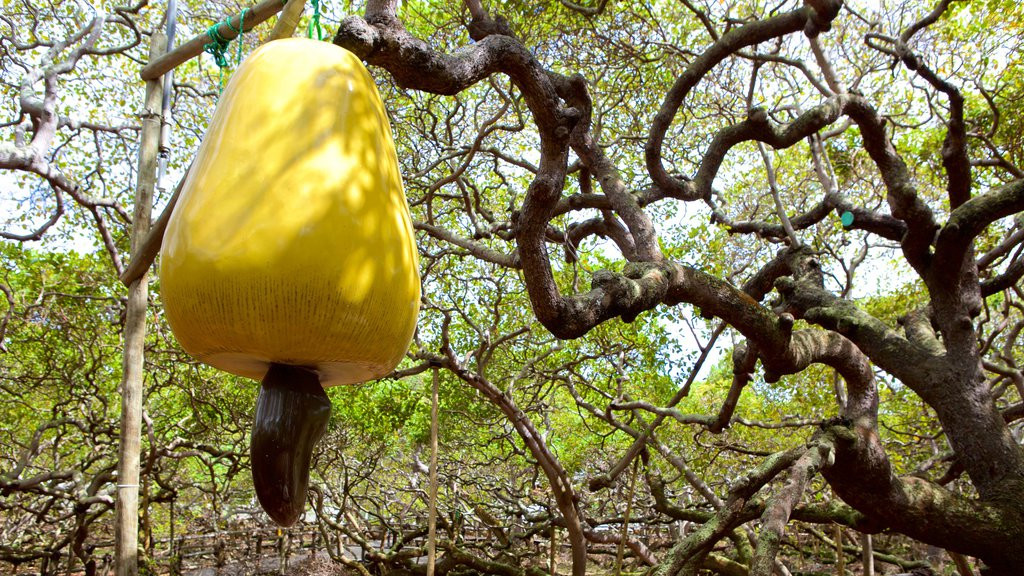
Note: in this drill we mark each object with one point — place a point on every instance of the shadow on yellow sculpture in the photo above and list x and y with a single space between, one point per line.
292 247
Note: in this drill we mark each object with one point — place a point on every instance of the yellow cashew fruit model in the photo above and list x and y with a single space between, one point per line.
290 255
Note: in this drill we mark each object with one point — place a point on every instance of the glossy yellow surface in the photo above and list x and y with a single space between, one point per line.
292 240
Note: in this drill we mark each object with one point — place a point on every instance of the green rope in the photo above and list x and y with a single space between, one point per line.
241 30
218 45
314 22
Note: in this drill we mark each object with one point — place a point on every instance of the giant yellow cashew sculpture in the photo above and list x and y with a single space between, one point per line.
290 256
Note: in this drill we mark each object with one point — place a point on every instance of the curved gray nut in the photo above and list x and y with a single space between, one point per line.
292 411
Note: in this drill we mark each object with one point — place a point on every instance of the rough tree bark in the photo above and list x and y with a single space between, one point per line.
934 352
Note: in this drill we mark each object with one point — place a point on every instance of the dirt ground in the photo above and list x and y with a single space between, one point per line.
300 565
317 566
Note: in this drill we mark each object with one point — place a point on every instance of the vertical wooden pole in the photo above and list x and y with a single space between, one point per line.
283 550
432 490
179 557
170 540
625 520
963 568
553 560
867 555
797 535
126 531
837 534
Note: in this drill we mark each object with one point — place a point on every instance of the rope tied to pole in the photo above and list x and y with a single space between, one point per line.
241 30
218 44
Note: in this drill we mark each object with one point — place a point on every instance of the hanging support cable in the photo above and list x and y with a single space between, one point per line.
314 22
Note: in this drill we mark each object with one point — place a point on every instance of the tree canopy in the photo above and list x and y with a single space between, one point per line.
701 279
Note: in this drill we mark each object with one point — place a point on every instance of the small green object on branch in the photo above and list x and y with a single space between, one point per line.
846 218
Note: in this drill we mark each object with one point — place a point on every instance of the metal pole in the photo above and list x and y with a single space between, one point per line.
165 124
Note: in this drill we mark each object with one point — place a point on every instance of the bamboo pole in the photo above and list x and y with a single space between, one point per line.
432 512
126 531
288 20
194 47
